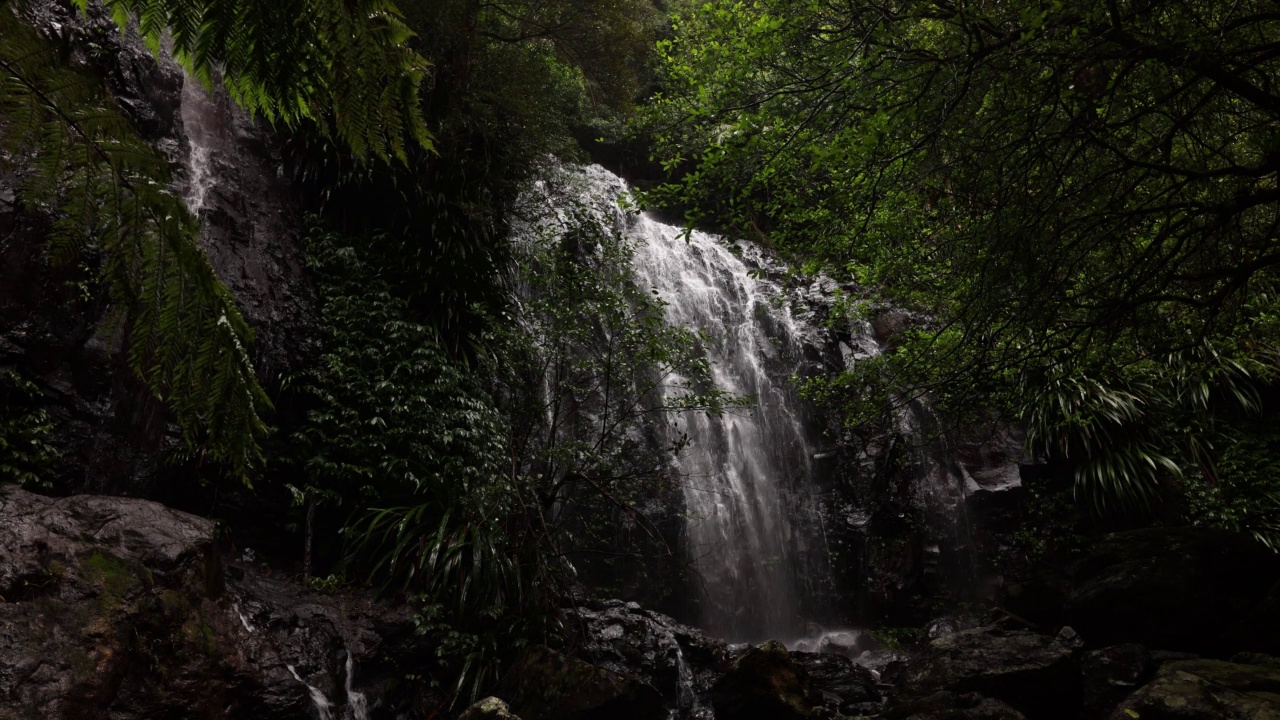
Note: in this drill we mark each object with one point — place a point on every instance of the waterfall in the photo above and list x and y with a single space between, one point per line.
203 122
357 706
743 472
356 701
746 474
753 508
324 708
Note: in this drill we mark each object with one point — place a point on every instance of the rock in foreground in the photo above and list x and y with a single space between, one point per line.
1036 674
121 608
1206 690
765 683
544 684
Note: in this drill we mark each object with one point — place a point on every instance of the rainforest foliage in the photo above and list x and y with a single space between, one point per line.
410 133
1076 200
1077 197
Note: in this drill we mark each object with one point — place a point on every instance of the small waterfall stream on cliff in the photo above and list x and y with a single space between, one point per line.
200 123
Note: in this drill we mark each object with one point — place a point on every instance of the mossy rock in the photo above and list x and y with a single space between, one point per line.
764 684
547 685
1206 690
490 708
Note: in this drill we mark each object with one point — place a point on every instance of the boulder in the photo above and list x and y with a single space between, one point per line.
946 705
1206 690
679 661
844 686
544 684
889 324
1037 674
1110 674
490 708
125 609
765 683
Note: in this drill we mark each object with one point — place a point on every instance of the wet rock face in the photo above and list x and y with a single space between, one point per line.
251 226
1036 674
1176 588
1111 674
1206 690
544 684
111 434
122 608
679 661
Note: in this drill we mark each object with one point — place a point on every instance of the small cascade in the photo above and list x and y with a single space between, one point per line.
204 122
687 703
244 620
357 703
324 708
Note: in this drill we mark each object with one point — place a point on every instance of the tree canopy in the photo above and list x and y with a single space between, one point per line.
1081 195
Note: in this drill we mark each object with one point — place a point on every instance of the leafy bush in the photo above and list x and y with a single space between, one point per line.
404 437
25 427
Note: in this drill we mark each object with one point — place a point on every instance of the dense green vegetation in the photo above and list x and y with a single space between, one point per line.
1079 196
411 132
1077 200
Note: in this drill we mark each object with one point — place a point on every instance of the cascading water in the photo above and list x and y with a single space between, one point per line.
357 703
200 122
746 474
756 488
324 708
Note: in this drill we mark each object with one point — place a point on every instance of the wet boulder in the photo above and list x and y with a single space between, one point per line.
1206 690
125 609
1111 674
844 686
544 684
1036 674
679 661
765 683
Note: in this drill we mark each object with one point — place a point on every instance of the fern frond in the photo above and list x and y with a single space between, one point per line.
344 64
105 188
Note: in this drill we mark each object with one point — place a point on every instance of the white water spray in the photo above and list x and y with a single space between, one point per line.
200 120
357 704
324 708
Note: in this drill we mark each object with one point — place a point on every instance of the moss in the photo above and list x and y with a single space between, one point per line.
173 604
199 633
113 576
